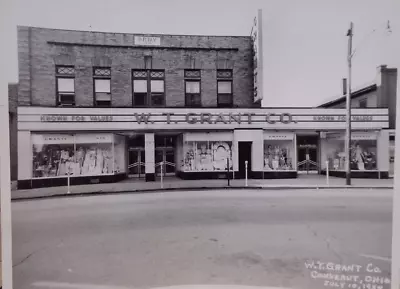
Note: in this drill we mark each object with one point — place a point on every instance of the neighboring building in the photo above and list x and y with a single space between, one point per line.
12 113
102 107
382 93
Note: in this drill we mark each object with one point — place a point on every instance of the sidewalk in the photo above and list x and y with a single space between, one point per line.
172 183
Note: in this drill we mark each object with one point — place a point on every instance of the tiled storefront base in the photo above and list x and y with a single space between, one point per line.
237 175
359 174
74 181
56 182
203 175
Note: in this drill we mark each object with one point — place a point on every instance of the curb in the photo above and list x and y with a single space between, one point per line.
160 190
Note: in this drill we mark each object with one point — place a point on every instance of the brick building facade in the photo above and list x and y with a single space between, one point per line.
41 50
102 107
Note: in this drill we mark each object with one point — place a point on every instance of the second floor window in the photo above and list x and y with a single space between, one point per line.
148 88
192 88
102 86
65 82
224 88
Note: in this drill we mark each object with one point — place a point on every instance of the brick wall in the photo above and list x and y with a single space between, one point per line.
12 104
37 60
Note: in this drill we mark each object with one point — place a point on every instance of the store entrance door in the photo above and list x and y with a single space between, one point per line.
165 158
244 155
137 162
307 154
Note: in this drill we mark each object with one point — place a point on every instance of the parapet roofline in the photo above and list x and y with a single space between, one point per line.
134 33
354 94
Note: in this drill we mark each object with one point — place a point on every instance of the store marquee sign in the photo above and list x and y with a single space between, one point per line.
201 118
170 118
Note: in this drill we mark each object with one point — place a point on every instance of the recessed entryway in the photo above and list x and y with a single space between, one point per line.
244 155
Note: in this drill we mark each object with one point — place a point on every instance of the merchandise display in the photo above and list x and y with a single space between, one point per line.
207 156
76 159
363 155
278 155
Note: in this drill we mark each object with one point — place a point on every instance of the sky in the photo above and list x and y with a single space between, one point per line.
304 42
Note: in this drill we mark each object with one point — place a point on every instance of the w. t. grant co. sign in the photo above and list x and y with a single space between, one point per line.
203 118
171 118
49 119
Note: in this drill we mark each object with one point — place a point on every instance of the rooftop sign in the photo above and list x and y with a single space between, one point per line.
256 38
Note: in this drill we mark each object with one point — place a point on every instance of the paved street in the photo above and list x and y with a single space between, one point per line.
244 237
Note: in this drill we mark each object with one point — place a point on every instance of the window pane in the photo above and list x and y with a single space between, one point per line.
140 99
225 98
140 85
103 96
102 85
157 86
192 87
103 103
193 100
157 99
224 87
66 84
67 98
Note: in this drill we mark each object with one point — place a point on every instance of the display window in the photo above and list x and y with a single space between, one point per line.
363 155
207 156
51 155
279 155
76 155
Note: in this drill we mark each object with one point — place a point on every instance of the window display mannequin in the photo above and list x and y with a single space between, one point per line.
359 158
62 167
197 160
108 161
99 161
80 156
270 156
221 154
203 157
208 160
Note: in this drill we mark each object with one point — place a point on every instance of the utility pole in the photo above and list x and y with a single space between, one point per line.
348 107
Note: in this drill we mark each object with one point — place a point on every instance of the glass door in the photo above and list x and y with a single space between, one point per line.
169 162
137 163
165 157
307 159
159 158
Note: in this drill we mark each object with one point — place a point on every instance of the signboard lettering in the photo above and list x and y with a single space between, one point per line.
342 118
256 39
203 118
148 41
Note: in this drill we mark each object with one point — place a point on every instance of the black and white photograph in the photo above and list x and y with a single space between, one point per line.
200 144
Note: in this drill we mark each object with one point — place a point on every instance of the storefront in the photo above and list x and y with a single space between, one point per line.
368 149
107 145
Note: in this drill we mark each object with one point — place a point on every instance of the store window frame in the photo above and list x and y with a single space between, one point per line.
192 100
66 72
148 75
101 73
286 145
225 75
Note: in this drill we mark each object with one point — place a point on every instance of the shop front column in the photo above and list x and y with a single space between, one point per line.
24 155
382 154
149 156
